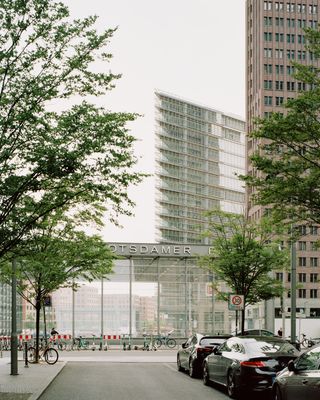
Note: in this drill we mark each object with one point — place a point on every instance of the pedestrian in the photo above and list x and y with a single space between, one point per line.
280 332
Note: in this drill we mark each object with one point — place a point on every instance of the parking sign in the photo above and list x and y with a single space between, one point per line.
236 302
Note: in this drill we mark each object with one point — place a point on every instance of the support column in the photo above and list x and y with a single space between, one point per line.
130 297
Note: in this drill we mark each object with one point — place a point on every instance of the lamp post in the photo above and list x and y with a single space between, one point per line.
14 335
293 291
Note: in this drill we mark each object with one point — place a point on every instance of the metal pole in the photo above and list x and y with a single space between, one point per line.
130 298
213 307
293 292
102 307
283 306
73 317
158 299
186 298
14 335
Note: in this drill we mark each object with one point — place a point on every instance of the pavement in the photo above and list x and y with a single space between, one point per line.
33 380
30 382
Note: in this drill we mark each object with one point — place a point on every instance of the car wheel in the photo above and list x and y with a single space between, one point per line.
231 385
205 375
276 393
179 364
192 372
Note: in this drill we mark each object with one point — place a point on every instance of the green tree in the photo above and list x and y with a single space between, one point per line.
244 256
82 154
287 163
55 255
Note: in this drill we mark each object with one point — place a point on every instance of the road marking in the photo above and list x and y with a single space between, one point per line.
171 367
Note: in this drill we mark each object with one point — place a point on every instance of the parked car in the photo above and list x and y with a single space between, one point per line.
244 364
301 378
192 353
256 332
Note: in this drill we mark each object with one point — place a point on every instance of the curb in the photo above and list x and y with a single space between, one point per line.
39 392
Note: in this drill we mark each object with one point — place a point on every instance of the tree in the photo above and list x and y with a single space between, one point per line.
244 256
55 255
288 159
49 159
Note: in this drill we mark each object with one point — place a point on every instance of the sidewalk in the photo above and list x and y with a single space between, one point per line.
31 381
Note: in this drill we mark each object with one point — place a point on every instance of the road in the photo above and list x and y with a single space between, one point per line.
127 381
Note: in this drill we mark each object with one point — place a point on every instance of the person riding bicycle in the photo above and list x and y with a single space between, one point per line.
54 332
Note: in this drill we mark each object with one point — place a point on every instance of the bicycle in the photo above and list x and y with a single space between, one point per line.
82 343
46 352
305 342
166 340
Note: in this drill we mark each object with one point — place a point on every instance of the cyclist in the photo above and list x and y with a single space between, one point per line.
54 332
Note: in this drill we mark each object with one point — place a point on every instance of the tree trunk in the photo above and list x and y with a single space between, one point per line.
38 310
243 313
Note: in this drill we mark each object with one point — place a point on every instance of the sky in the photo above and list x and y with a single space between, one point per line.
194 49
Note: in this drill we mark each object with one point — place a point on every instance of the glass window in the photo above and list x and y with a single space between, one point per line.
302 261
309 360
313 261
313 293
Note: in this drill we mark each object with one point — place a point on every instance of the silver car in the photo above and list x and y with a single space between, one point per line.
301 378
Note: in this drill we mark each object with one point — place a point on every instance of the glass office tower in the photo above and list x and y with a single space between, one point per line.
200 151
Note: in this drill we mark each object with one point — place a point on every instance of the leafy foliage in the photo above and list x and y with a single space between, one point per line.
288 159
243 256
49 159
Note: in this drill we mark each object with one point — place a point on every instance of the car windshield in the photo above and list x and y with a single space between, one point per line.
267 347
211 341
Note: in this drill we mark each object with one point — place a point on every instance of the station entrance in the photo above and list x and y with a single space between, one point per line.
154 289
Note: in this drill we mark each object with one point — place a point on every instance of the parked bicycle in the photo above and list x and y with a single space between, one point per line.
46 352
305 342
149 343
80 343
166 340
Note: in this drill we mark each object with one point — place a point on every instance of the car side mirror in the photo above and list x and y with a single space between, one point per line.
291 366
216 351
184 345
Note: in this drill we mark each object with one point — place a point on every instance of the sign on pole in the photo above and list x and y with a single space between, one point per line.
236 302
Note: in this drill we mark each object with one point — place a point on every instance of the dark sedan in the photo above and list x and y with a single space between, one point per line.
192 353
301 378
244 364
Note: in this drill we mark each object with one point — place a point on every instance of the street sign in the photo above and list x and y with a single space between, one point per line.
236 302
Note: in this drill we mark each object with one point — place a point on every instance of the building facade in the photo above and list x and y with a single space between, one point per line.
275 38
200 151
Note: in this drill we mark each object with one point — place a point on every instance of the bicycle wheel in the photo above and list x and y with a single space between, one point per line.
171 343
51 356
31 355
305 343
158 343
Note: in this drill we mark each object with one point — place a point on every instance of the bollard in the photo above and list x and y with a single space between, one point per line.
26 355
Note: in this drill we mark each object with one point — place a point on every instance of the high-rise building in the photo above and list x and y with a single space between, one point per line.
275 37
200 151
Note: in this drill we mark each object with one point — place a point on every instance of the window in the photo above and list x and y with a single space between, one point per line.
301 39
268 36
301 55
279 53
290 69
279 37
302 245
267 5
302 261
290 38
267 53
313 230
279 5
290 86
280 22
302 230
313 278
302 86
313 261
291 54
267 21
268 68
302 277
268 100
302 293
279 69
279 276
290 23
313 293
314 246
268 85
279 101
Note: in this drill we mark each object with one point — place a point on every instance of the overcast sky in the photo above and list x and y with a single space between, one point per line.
194 49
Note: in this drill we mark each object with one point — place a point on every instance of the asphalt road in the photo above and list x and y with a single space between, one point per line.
127 381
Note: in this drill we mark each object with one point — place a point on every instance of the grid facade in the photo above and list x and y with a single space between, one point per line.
199 153
275 38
